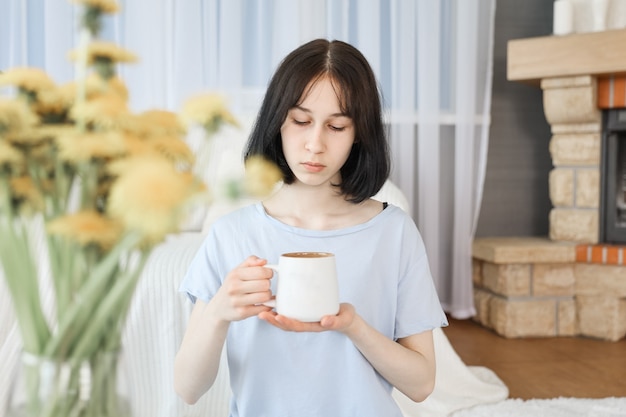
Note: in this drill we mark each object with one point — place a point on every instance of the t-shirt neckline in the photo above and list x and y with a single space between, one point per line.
332 232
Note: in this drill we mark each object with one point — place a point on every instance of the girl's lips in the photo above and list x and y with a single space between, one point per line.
313 167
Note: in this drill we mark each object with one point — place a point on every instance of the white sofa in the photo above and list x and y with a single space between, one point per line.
158 317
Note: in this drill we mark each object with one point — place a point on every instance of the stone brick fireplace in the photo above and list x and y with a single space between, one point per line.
572 282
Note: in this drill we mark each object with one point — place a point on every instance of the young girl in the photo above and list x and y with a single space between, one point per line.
321 123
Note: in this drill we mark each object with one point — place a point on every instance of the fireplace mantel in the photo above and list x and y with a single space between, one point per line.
597 53
580 75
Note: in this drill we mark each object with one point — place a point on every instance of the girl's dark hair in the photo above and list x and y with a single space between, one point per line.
367 166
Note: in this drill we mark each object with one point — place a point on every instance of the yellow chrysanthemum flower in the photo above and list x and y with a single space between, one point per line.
158 123
95 86
26 78
104 111
50 131
27 137
81 147
170 147
37 136
87 228
112 85
27 196
174 148
15 116
208 110
68 92
43 156
23 190
51 101
137 146
9 155
150 196
104 50
106 6
261 176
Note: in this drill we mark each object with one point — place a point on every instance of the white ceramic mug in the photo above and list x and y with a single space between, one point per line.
307 287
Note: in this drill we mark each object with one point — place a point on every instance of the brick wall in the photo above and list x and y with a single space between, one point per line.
535 287
612 92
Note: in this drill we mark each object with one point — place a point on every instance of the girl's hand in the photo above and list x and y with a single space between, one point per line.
340 322
244 290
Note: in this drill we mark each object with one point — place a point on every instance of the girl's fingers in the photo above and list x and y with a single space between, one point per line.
252 269
290 325
255 298
252 260
252 280
246 288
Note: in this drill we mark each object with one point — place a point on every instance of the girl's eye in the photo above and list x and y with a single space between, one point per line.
336 128
299 122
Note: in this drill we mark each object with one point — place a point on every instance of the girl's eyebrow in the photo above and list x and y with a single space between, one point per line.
304 109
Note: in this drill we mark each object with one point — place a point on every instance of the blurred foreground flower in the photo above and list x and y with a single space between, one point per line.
208 111
27 80
87 228
147 197
87 189
261 176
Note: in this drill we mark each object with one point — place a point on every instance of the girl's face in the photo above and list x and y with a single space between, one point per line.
317 137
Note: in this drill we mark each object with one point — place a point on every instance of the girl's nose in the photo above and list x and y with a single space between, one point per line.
315 141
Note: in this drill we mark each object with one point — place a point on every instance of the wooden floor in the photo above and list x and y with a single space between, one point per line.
544 367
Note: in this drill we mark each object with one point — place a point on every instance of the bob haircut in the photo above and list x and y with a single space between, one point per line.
367 167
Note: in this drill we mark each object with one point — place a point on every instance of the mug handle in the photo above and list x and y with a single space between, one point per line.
272 302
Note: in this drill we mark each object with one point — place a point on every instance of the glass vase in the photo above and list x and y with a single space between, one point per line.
45 387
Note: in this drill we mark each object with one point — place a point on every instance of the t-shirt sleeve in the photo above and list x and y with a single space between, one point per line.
419 308
203 277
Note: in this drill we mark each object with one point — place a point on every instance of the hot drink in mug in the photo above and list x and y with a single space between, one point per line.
307 287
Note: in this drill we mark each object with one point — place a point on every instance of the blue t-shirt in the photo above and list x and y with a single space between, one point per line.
383 272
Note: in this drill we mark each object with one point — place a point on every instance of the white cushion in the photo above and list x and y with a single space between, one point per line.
390 193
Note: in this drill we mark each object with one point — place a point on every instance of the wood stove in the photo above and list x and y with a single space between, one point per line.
613 177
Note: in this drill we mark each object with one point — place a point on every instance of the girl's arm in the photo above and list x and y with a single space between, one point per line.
197 361
408 364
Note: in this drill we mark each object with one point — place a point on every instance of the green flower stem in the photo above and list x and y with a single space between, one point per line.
33 293
61 290
68 283
91 19
128 297
113 305
64 178
5 194
81 72
37 174
58 202
89 183
77 274
22 279
78 314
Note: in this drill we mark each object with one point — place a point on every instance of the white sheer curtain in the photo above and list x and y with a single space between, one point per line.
433 59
